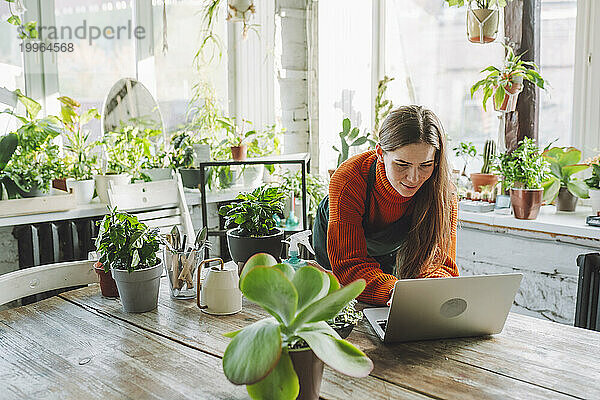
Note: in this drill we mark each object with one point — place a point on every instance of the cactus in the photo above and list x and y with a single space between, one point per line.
350 137
489 155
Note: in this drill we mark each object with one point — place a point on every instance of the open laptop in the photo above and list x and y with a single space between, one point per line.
436 308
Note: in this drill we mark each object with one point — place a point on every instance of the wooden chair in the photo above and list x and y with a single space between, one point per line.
26 282
587 312
159 204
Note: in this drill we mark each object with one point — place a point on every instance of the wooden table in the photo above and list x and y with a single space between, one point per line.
80 345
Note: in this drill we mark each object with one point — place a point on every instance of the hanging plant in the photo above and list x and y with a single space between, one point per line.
482 18
26 30
241 10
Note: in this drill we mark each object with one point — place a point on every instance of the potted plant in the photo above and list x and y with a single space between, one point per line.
127 248
466 151
317 187
251 223
485 177
282 357
35 161
237 137
79 159
523 170
108 286
563 164
482 18
155 163
593 184
351 137
346 319
504 84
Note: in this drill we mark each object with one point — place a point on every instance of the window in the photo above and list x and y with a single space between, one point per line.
557 61
11 65
434 65
344 71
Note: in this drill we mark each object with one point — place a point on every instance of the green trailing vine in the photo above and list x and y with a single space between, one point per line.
27 30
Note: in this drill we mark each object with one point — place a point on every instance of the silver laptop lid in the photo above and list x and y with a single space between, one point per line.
438 308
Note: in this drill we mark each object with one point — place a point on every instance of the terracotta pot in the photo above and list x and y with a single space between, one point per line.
509 104
60 184
480 180
526 203
489 28
309 369
108 286
239 152
566 201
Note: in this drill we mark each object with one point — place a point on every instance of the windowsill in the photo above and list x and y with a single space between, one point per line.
548 221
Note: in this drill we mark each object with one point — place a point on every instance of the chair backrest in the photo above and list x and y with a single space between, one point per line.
587 312
30 281
159 204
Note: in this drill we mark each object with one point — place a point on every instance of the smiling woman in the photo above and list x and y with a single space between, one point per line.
391 213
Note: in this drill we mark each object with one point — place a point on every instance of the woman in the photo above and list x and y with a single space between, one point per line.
392 213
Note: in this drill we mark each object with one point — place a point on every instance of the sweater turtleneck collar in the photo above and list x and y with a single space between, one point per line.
385 188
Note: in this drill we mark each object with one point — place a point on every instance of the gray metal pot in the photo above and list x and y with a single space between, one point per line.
566 200
138 289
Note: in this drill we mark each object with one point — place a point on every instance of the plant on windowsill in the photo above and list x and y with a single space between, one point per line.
523 171
251 223
351 137
80 162
482 18
504 84
8 145
281 357
35 161
127 249
485 177
466 151
593 183
237 137
564 162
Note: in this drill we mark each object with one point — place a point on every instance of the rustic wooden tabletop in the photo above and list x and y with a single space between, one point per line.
80 345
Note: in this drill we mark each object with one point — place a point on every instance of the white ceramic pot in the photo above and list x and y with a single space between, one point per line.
102 184
220 293
83 190
595 198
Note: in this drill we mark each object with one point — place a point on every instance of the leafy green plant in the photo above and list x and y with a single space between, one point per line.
347 315
350 137
524 167
36 159
593 182
564 162
317 187
499 80
382 106
299 302
127 149
466 151
253 212
483 4
8 145
124 242
182 155
236 135
80 160
27 30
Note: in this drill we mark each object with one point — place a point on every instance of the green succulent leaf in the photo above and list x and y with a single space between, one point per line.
287 270
327 307
253 353
8 145
281 384
270 288
338 354
308 282
578 188
551 188
569 170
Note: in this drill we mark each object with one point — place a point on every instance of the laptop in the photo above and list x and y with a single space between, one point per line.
438 308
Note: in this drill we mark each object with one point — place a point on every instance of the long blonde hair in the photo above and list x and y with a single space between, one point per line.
430 223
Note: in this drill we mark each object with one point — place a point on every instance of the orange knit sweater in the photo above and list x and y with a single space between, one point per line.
346 244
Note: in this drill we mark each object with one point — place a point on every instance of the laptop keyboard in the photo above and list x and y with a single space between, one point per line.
382 323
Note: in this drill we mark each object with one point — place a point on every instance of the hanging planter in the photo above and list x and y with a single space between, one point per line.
241 11
511 95
482 21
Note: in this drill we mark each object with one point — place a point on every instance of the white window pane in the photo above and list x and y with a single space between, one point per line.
557 66
176 72
88 73
344 71
434 65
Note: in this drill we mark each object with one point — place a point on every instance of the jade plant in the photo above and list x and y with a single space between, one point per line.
564 162
124 242
524 167
254 212
299 302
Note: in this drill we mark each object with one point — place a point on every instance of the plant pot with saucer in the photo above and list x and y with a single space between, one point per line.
282 357
132 260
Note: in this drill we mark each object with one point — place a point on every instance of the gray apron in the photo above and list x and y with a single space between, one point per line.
382 245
